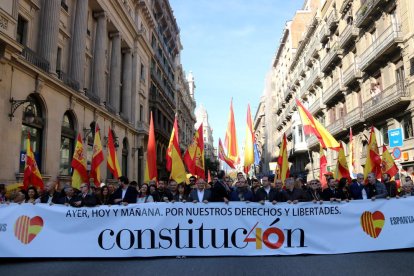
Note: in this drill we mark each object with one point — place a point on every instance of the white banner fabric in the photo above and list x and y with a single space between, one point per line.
213 229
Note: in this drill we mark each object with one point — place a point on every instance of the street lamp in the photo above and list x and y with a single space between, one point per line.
29 112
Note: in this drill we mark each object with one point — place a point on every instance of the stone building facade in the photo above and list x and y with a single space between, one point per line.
81 64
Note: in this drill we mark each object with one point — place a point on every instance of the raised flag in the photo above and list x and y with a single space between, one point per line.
31 174
342 165
175 163
322 167
313 126
97 158
230 140
282 161
351 154
222 156
151 164
249 143
194 155
80 174
373 161
388 164
112 160
209 177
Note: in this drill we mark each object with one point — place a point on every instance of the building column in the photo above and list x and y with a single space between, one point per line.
127 84
98 70
78 42
48 40
115 75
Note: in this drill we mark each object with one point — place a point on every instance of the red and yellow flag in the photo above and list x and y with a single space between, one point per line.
175 163
351 153
282 161
97 158
249 143
222 156
112 160
194 155
342 165
151 164
32 174
388 164
80 174
312 126
322 167
230 140
373 161
209 177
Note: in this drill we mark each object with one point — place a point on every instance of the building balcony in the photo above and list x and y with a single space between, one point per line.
142 127
317 106
350 33
381 46
365 12
351 74
300 147
68 80
287 94
333 90
324 33
336 127
334 53
394 97
345 6
313 75
32 57
354 117
332 20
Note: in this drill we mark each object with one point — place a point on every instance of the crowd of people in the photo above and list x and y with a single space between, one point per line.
222 189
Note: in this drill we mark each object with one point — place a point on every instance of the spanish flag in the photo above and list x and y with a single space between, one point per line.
222 156
194 155
112 160
312 126
388 164
373 161
230 140
97 158
80 174
351 154
282 161
342 165
151 164
175 163
249 143
32 174
322 167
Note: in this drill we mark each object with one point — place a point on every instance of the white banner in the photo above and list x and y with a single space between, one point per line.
175 229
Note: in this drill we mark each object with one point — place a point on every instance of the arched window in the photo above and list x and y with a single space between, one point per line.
67 143
125 152
34 127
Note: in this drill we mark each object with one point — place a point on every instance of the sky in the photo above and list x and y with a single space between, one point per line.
229 45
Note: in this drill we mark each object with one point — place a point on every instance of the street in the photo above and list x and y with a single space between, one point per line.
397 262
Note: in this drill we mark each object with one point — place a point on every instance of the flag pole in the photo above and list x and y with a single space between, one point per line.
307 145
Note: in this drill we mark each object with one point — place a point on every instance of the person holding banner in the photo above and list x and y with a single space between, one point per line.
390 185
69 198
265 193
144 194
104 196
200 194
164 194
376 188
124 194
85 198
242 192
50 196
314 193
293 195
407 189
357 189
32 196
220 190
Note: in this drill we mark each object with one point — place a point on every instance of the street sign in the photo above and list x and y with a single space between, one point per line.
396 153
395 137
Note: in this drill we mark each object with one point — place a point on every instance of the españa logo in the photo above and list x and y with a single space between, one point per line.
372 223
26 229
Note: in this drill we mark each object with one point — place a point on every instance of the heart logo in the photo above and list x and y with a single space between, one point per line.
372 223
26 229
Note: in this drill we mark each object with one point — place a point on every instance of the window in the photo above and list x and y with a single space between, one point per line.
142 72
59 61
21 35
67 143
407 126
412 67
141 112
125 152
383 135
35 130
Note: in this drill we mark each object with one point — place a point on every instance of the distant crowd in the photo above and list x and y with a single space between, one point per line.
222 189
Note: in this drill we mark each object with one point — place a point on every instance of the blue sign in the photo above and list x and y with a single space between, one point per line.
396 153
395 137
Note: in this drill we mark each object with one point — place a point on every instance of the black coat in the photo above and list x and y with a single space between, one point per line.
328 193
55 199
130 195
219 192
273 195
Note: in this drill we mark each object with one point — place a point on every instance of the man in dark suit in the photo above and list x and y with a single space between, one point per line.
331 193
85 198
357 189
200 194
50 195
69 198
220 190
265 193
124 194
